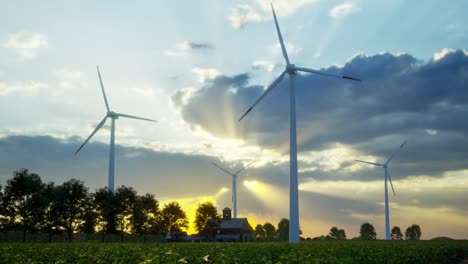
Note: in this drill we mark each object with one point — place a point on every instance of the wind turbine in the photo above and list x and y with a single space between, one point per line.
234 184
113 116
389 178
292 70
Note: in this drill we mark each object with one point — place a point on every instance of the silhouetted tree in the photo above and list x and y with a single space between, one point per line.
259 232
73 197
396 233
126 198
146 215
23 204
211 228
270 231
107 209
336 233
53 208
3 218
90 216
368 232
173 218
283 230
205 211
413 232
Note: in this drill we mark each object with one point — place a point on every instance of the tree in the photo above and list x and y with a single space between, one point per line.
396 233
270 231
24 206
259 232
173 218
368 232
126 201
413 232
73 197
283 230
53 207
205 211
145 215
336 233
89 217
107 209
3 218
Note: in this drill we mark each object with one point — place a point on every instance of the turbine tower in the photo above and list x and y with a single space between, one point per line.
292 70
113 116
234 184
389 178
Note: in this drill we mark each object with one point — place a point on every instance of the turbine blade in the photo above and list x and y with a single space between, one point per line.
221 168
280 37
102 88
327 74
237 172
136 117
376 164
390 179
92 134
267 91
395 152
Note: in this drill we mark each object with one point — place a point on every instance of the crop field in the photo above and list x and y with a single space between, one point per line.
304 252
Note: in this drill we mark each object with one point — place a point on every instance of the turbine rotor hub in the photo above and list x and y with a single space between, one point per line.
291 69
112 115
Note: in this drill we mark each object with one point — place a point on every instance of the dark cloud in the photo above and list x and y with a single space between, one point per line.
400 98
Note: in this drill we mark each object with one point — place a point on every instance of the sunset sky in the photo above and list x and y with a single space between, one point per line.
196 66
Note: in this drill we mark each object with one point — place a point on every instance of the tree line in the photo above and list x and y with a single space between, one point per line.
367 232
31 206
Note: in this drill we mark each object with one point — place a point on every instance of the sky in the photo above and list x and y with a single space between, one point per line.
196 67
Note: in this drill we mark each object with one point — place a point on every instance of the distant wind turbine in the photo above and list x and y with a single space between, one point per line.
389 178
234 184
113 116
292 70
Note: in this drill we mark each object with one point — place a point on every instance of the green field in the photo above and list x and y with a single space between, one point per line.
304 252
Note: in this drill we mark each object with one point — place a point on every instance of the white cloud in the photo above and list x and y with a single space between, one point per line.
145 90
343 10
69 79
206 73
264 65
260 10
440 55
27 87
26 44
244 14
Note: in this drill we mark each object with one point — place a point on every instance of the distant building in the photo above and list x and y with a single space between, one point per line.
230 229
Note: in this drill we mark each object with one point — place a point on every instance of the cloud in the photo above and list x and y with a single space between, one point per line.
190 179
264 65
342 10
186 48
400 98
260 10
26 44
206 73
21 87
244 14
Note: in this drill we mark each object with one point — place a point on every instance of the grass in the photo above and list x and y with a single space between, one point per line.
304 252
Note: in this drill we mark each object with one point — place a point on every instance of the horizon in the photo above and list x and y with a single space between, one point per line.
196 67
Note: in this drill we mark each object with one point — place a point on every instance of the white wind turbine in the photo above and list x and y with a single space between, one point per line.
292 70
389 178
234 184
113 116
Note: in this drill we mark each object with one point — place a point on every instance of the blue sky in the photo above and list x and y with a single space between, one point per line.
195 66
